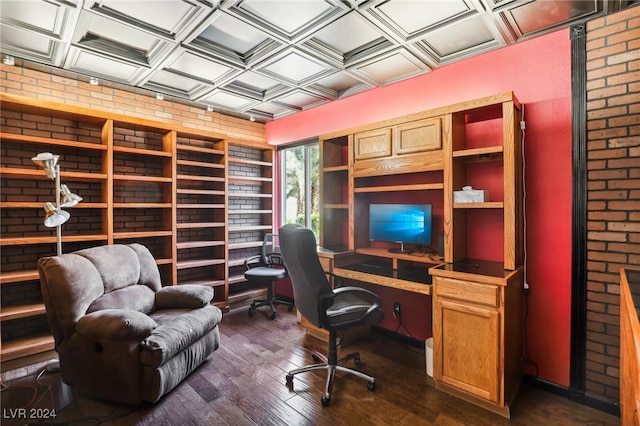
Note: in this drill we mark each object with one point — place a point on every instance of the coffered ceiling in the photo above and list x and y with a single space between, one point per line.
270 58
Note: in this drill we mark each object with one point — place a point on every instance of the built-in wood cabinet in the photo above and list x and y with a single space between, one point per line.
477 290
477 332
171 188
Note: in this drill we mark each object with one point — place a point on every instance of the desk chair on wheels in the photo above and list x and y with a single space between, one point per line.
265 269
333 310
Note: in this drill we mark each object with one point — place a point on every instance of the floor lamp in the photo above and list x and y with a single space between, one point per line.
54 215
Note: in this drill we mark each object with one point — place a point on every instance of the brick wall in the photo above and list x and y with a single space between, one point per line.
20 80
613 179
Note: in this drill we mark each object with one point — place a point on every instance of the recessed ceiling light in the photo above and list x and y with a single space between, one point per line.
93 81
8 60
159 96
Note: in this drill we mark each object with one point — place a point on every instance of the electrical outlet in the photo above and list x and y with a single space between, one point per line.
396 310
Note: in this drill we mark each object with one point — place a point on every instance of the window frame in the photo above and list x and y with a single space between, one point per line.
308 145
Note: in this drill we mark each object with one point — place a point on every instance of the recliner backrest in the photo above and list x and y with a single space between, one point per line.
309 281
110 276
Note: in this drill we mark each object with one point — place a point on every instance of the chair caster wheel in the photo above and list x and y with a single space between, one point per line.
371 386
325 401
252 312
272 316
290 308
315 358
289 379
356 360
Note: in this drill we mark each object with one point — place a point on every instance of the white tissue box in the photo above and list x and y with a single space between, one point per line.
470 195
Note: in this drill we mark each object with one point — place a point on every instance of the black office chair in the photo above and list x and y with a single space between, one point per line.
265 269
334 310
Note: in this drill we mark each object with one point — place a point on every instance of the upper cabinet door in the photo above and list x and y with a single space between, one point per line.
372 144
418 136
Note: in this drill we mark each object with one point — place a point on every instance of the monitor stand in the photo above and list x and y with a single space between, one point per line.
400 250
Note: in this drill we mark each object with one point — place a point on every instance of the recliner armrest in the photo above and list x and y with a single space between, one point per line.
125 324
184 297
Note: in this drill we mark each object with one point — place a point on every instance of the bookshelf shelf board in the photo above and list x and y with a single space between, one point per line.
23 311
189 264
199 225
393 188
19 276
51 141
203 150
199 244
140 151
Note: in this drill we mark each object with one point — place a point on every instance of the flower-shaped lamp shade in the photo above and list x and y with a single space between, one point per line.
69 199
54 217
47 161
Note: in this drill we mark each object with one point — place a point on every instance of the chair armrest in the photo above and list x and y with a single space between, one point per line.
251 260
359 291
185 296
122 324
275 259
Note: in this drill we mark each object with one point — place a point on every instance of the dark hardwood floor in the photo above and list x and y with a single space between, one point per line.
243 383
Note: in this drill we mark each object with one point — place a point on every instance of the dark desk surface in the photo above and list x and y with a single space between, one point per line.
411 278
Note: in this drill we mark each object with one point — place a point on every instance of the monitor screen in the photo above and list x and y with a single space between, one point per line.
400 223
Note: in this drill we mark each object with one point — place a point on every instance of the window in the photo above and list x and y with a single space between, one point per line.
299 188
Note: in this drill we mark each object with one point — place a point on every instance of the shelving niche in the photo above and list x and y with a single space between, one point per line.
250 212
162 185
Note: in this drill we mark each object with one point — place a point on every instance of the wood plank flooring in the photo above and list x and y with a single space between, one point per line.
243 383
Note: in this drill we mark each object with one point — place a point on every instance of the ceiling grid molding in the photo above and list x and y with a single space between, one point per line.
271 58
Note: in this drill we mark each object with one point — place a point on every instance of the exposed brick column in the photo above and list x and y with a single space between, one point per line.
613 186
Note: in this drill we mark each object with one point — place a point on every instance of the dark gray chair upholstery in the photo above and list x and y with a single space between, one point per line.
331 309
265 269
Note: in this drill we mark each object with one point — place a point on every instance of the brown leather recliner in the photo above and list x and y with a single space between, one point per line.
119 334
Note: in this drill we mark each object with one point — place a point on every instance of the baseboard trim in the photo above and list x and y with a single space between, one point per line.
594 401
402 338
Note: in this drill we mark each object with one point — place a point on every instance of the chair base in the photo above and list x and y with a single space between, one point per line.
271 303
331 372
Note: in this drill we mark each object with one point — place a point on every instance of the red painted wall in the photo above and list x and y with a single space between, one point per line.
538 71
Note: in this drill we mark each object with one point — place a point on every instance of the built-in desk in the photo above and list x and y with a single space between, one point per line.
375 266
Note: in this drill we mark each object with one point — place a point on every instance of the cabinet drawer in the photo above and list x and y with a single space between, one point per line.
467 291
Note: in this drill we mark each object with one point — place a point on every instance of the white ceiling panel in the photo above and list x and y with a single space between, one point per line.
294 67
287 19
270 58
91 63
448 44
339 85
389 68
228 101
301 100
